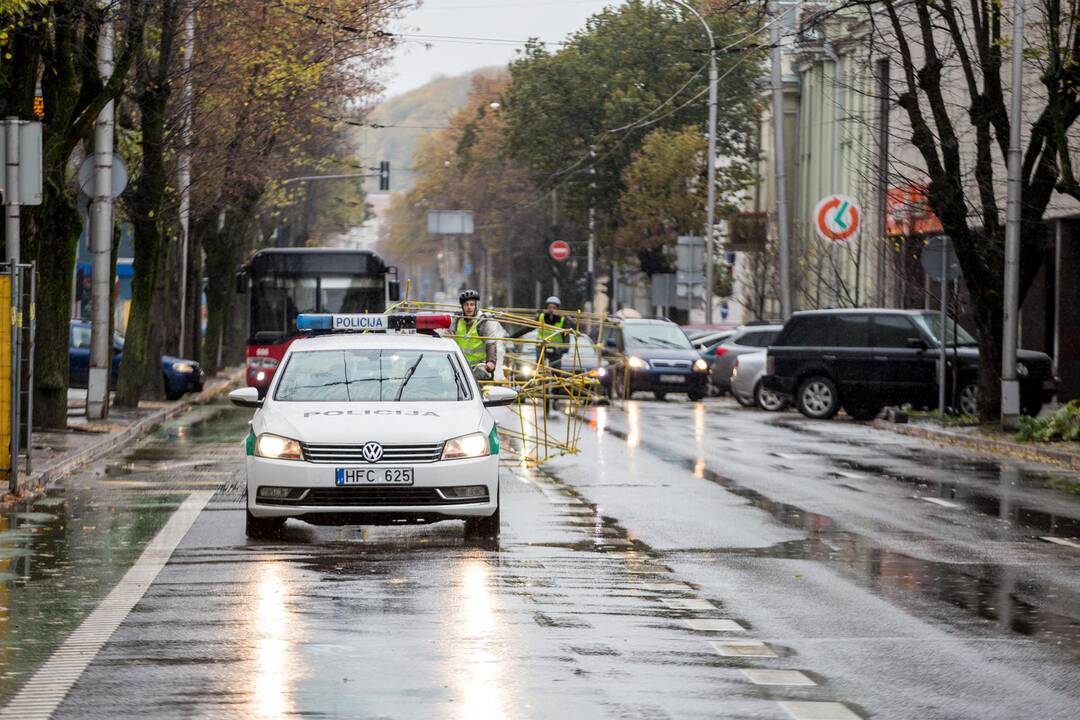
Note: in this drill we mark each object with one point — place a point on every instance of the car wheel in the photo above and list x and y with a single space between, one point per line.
745 402
767 400
818 398
659 394
483 527
258 528
695 395
969 398
864 410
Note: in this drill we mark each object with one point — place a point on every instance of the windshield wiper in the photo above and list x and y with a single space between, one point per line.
662 342
461 394
407 377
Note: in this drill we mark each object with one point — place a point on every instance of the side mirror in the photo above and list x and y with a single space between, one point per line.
393 289
499 396
916 343
246 397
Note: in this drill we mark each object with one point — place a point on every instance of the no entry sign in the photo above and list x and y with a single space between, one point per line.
559 250
837 218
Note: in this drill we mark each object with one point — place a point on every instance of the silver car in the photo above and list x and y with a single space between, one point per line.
746 383
751 338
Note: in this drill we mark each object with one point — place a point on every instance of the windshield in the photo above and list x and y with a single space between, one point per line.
371 375
956 334
655 335
277 300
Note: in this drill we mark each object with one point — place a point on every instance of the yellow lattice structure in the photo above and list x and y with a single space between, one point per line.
523 365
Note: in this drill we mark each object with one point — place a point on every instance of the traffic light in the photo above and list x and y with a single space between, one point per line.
384 175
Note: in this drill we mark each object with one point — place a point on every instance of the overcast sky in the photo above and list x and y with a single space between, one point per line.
418 60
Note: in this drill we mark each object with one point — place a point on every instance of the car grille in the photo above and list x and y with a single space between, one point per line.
683 364
373 497
344 454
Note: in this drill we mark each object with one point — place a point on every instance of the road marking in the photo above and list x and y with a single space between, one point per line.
688 604
743 648
1061 541
778 677
818 710
706 625
940 502
47 687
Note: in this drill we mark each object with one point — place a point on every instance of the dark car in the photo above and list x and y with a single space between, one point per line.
653 355
751 338
180 376
863 360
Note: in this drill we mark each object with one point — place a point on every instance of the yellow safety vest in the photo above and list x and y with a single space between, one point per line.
552 335
468 339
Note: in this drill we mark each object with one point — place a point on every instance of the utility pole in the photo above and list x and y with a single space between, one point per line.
834 167
183 165
1010 387
11 201
781 176
590 260
100 237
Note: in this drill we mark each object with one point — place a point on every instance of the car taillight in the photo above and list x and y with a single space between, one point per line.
770 365
720 350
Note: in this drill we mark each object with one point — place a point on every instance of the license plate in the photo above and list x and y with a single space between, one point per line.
672 378
374 476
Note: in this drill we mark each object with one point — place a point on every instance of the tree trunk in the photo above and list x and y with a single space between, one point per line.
58 224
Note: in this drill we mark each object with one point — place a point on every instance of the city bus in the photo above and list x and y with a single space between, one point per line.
281 283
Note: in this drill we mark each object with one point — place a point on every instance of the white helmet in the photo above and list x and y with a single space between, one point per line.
553 300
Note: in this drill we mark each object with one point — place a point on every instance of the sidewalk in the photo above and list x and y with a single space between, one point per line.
60 452
989 439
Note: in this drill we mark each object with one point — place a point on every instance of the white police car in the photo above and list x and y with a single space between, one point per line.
373 428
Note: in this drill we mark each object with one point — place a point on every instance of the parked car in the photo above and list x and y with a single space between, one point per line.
180 376
746 385
864 359
653 355
748 339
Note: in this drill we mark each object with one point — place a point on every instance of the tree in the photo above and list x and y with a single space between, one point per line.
952 92
59 40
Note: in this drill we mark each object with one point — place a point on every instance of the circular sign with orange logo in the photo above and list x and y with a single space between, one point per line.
836 218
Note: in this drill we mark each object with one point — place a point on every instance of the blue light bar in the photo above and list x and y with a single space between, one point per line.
307 321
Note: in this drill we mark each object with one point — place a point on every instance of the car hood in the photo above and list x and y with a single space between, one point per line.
356 423
664 353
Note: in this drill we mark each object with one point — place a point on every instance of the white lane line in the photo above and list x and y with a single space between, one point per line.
688 604
818 710
743 648
940 502
46 688
706 625
778 677
1061 541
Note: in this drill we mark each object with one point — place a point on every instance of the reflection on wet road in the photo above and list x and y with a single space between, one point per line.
694 561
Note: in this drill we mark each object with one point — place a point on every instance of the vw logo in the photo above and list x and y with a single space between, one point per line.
372 452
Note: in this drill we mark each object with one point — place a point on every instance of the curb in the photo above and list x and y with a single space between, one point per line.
1004 448
39 480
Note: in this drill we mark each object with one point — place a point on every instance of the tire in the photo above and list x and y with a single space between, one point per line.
818 398
258 528
659 394
862 410
172 393
967 401
483 527
745 403
767 400
695 395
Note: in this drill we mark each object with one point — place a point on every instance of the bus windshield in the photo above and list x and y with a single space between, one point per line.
276 301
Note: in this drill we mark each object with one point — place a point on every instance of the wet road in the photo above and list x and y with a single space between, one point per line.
693 561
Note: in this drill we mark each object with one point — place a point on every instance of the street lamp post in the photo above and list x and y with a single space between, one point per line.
710 210
1010 387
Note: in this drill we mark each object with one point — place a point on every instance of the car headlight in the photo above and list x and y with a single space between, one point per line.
183 368
700 365
275 447
636 363
467 446
1021 370
525 370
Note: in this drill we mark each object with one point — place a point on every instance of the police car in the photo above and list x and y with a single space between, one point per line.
373 419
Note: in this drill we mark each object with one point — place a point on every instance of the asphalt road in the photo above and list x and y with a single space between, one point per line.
693 561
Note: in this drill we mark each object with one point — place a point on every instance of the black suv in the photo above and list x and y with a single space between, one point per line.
646 354
863 360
